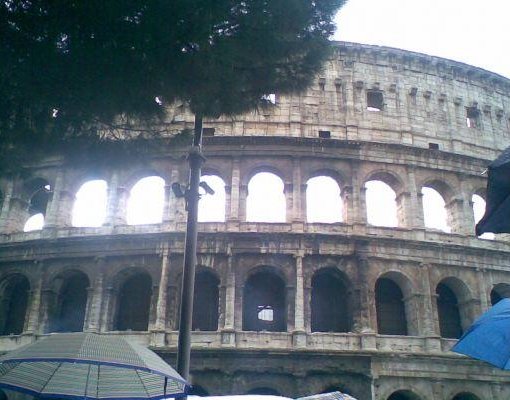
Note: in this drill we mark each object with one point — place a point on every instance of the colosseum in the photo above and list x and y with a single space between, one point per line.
340 254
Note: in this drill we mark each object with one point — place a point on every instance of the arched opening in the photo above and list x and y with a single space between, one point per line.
264 391
403 395
323 201
381 204
434 210
38 192
264 306
465 396
266 199
211 207
390 308
499 292
90 205
197 390
71 303
448 312
337 388
13 304
134 299
329 308
478 212
146 201
206 302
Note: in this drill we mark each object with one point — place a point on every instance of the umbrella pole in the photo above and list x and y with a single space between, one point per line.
195 159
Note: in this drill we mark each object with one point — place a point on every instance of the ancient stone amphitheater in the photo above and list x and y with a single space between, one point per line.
331 273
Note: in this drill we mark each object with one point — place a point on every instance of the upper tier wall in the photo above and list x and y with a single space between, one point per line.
425 101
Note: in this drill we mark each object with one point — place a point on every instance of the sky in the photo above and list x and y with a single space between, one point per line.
473 32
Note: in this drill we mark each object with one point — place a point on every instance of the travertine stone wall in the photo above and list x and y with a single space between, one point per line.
419 138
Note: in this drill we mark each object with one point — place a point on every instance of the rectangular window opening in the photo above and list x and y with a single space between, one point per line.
208 131
472 117
265 313
375 100
270 98
325 134
434 146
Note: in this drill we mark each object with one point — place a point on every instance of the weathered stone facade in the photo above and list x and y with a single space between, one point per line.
435 123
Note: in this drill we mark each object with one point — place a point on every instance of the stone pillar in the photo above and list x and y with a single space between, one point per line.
121 209
172 203
5 221
460 212
288 191
52 210
230 295
233 214
355 210
299 334
65 208
298 203
46 309
34 309
112 201
95 299
108 309
485 298
430 322
364 316
161 306
415 211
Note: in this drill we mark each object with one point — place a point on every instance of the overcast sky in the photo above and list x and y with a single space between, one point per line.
473 32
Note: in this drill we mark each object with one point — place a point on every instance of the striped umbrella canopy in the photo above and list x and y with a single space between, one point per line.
89 366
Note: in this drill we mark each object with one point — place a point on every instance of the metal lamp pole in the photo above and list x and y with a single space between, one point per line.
196 160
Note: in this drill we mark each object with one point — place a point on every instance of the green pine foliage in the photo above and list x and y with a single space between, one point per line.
72 69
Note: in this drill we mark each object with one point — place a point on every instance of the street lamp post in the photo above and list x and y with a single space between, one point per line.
196 160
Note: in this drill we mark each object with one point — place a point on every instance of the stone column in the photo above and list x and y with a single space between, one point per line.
45 316
52 209
485 300
65 208
34 309
430 323
288 191
5 221
121 209
298 203
95 299
364 317
233 214
161 306
108 309
355 210
229 317
299 334
414 212
460 212
172 203
112 201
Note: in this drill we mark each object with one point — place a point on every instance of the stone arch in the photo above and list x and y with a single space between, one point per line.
478 206
146 201
390 192
392 309
264 301
452 307
331 308
37 192
403 394
436 194
133 300
324 203
499 292
197 390
266 200
212 206
263 390
465 396
206 300
337 388
14 299
89 209
68 310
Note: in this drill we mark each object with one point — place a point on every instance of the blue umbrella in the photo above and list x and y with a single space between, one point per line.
488 339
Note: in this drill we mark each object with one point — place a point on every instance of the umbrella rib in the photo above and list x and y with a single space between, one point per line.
49 379
143 384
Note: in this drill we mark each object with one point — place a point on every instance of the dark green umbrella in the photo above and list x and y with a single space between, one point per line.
497 210
89 366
